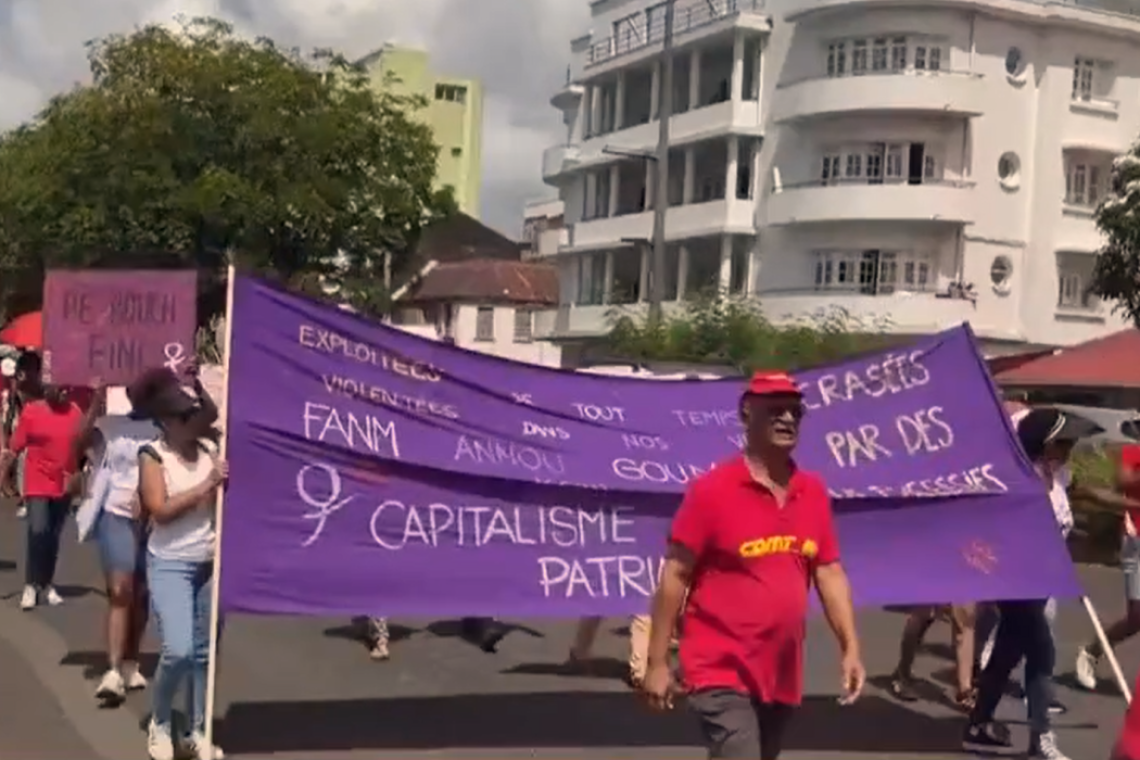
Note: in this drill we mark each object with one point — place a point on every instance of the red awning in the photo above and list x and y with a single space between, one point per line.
1109 362
25 331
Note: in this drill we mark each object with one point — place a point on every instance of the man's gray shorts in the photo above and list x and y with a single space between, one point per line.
1130 564
737 727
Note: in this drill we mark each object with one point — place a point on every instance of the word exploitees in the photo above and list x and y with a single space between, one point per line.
572 550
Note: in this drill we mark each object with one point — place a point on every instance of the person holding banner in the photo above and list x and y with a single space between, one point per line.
44 435
1047 435
179 475
751 537
1128 484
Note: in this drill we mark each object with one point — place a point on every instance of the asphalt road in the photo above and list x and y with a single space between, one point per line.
304 688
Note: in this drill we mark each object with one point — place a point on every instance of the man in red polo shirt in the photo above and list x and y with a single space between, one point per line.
750 538
1128 484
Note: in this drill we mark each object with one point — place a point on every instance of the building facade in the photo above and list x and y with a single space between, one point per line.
454 112
544 227
913 165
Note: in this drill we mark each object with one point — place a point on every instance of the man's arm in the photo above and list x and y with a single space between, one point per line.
667 603
835 594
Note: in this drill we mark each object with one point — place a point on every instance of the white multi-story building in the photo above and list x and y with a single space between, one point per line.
917 164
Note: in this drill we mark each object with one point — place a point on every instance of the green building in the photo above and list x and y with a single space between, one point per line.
454 112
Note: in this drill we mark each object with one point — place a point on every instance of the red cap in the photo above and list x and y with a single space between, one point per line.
772 383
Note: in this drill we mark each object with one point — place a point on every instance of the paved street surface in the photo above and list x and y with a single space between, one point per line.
301 688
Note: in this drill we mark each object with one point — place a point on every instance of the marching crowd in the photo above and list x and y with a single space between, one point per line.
146 478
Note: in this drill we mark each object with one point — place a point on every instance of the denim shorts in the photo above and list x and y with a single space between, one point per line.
122 545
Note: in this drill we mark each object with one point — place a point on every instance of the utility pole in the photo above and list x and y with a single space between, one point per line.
661 193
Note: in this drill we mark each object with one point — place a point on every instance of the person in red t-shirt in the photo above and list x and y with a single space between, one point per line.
1128 743
1128 484
751 537
45 431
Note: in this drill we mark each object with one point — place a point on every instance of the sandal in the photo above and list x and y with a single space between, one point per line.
903 688
966 700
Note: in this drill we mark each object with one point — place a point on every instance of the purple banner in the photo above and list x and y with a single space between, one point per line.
379 473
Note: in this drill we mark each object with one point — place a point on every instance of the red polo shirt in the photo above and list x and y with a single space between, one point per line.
47 435
1130 461
1128 745
743 627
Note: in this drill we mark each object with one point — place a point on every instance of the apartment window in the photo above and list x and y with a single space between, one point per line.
1074 276
872 272
837 59
524 325
830 174
878 162
485 324
879 54
655 22
895 164
1082 184
898 54
591 279
451 92
1084 73
859 57
627 32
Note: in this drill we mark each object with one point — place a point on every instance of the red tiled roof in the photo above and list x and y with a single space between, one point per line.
1109 362
488 280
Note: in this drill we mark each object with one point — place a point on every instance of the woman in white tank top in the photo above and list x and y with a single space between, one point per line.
179 475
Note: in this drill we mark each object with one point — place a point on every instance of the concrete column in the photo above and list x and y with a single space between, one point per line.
732 168
758 70
591 193
612 211
682 272
596 109
655 92
694 79
756 187
725 263
608 291
650 183
619 101
737 83
643 276
690 176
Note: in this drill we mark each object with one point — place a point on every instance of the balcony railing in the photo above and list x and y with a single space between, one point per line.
686 18
838 181
869 73
1123 7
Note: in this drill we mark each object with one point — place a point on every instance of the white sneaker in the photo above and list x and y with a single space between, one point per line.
52 596
29 598
195 746
159 745
1086 669
111 688
132 676
1045 747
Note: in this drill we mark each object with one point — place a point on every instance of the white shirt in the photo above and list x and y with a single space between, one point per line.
119 461
190 537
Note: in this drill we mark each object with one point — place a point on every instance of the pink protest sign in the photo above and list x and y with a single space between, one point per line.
110 325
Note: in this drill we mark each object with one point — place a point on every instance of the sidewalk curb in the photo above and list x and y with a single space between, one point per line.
113 734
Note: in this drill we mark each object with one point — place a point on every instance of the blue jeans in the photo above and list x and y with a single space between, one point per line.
44 524
180 597
1023 633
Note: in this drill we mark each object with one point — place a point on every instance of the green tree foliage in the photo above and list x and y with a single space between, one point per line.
1117 274
193 143
735 332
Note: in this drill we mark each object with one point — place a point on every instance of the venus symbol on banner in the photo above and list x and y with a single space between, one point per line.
175 355
325 507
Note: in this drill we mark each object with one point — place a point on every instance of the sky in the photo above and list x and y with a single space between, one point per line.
518 48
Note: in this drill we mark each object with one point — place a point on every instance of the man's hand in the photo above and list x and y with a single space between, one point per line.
854 676
659 686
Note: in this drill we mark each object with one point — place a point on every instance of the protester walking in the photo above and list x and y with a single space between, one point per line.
27 386
1024 633
1128 484
179 475
750 538
44 436
917 625
587 632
